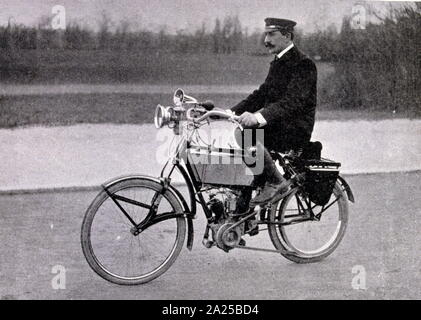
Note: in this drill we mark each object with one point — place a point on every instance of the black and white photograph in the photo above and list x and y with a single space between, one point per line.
222 152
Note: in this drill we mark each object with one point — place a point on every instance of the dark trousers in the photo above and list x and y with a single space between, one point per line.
247 140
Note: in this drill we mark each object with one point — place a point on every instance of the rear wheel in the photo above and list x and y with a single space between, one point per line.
112 249
309 240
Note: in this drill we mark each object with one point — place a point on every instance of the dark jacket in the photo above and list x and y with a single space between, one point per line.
288 96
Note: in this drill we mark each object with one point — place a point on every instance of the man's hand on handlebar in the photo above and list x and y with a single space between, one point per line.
248 120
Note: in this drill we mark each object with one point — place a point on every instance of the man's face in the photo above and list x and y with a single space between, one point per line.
275 41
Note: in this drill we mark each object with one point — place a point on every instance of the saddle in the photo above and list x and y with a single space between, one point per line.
312 151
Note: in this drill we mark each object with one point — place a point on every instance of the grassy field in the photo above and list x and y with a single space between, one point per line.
148 67
153 68
68 109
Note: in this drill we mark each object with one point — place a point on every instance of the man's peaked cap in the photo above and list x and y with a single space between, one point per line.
275 24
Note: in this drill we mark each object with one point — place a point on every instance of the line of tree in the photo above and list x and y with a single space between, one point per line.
227 37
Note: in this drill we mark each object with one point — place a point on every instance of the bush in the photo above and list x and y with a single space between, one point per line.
379 68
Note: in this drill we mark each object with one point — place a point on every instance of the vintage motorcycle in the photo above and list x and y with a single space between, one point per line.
136 226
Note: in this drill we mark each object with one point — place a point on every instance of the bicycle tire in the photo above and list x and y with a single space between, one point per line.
279 237
125 186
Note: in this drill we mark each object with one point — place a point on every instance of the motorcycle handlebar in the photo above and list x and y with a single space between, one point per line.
214 113
208 114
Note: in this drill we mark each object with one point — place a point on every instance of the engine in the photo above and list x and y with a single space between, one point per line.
222 204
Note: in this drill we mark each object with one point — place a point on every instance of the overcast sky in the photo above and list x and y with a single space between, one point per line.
181 14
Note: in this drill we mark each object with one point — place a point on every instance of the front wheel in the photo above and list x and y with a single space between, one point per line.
308 240
112 248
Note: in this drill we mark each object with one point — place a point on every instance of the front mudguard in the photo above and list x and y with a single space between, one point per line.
169 188
189 215
347 189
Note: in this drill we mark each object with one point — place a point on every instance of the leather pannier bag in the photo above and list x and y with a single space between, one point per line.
320 179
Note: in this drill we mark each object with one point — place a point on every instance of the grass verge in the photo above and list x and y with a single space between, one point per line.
69 109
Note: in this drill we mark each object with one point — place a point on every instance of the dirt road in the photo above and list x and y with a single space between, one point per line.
40 231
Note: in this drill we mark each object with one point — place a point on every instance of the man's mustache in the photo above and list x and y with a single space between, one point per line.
269 45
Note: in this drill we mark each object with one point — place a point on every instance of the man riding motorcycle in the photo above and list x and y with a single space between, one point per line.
284 106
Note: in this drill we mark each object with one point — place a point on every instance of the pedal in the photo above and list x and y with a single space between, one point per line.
208 243
254 231
252 228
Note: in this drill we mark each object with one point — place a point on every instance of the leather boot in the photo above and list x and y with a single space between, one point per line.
275 182
269 191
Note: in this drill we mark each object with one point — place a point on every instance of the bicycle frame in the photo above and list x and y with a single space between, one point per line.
194 187
215 182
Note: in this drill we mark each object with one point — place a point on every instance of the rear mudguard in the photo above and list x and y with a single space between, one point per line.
347 189
170 188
